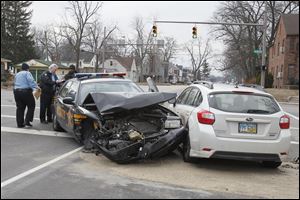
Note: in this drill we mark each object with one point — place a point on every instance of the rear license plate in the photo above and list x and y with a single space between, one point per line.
250 128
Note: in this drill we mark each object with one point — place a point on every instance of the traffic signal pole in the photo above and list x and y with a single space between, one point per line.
264 49
264 25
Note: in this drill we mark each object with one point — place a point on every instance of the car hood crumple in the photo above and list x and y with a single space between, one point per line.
110 102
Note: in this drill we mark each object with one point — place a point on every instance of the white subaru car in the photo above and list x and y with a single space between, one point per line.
233 122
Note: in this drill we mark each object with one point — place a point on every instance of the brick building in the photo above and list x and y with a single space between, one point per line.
284 53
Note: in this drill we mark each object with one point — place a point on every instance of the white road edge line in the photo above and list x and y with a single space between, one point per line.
295 117
35 132
10 116
14 106
22 175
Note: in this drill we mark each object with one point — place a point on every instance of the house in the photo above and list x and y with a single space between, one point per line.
155 67
37 67
175 73
87 62
4 68
284 53
121 64
187 75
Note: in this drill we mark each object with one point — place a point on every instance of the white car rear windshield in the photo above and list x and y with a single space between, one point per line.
243 103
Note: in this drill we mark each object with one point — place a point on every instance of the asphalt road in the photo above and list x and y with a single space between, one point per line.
39 163
26 172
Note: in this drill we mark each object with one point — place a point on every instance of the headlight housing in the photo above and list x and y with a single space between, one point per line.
172 122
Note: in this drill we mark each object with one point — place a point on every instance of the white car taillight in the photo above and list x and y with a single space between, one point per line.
206 117
284 122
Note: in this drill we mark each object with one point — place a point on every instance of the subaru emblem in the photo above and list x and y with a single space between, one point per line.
249 119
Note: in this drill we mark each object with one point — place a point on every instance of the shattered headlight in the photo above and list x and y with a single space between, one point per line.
172 122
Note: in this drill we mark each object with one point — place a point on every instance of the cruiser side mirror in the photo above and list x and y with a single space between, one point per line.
68 100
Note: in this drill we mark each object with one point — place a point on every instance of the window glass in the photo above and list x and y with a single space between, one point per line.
183 96
65 89
243 103
192 96
73 90
198 99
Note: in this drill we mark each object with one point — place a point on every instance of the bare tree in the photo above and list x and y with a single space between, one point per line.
80 14
275 9
205 72
141 44
199 54
49 42
241 41
96 38
169 48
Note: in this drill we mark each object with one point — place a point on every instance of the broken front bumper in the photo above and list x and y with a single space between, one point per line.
146 148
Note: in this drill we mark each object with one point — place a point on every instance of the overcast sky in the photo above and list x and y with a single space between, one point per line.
123 12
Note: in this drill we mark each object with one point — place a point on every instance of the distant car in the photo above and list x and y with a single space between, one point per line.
258 87
116 117
225 121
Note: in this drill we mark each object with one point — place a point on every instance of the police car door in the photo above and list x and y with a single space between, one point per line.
59 111
70 108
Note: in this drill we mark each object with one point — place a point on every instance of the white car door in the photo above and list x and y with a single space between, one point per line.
185 104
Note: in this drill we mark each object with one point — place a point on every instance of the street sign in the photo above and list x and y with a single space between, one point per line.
258 51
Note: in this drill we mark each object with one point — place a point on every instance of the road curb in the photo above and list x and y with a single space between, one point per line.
290 103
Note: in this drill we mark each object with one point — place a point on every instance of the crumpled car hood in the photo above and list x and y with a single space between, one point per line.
108 103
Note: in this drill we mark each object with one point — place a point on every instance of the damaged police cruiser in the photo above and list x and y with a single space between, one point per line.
113 116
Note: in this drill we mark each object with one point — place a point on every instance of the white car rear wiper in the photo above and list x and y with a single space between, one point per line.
257 111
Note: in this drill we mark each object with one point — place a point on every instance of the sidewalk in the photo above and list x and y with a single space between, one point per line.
284 95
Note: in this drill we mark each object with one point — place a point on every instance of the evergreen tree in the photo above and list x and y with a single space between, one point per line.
205 71
16 41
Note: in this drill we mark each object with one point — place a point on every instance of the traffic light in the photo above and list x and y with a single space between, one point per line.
154 30
194 33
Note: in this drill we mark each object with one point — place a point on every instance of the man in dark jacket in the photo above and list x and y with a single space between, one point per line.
48 83
71 73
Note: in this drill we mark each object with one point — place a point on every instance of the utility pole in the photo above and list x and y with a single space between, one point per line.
264 49
46 46
103 50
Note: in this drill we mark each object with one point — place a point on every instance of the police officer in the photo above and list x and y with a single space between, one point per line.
71 73
48 83
24 84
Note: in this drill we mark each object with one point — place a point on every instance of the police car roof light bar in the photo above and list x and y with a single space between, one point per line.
98 75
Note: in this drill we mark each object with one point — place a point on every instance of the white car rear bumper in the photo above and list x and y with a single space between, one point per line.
206 144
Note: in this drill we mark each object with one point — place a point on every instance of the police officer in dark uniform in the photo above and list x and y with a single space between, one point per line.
48 83
71 73
24 84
